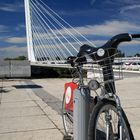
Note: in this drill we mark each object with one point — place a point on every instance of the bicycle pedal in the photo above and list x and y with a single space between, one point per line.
67 138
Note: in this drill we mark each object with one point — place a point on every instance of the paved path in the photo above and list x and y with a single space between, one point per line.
24 116
128 90
31 109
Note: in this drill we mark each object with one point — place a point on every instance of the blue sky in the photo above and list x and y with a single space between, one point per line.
97 19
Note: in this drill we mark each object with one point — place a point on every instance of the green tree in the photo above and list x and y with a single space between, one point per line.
21 58
17 58
7 58
137 55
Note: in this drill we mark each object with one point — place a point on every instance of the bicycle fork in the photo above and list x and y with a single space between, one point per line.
120 122
109 129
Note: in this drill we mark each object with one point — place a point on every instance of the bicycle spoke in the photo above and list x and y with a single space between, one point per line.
108 129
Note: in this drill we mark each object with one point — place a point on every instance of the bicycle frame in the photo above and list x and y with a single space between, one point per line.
109 93
81 112
104 58
108 75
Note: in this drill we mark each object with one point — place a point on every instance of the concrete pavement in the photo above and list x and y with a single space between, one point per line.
25 116
128 90
31 109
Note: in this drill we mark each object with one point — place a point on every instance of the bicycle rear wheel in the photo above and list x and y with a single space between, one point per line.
104 123
67 117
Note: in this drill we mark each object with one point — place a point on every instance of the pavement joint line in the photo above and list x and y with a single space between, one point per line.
18 101
131 107
19 107
15 101
53 102
43 110
43 107
131 99
24 107
50 119
23 116
37 93
48 116
27 131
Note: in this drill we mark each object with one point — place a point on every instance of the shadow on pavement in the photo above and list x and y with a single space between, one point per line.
27 86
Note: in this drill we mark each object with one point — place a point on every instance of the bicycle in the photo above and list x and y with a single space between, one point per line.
107 120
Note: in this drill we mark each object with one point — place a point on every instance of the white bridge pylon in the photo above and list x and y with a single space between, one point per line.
49 37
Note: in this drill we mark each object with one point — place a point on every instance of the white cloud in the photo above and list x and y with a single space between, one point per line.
78 12
19 27
13 51
93 1
108 28
100 43
3 28
128 8
7 7
17 40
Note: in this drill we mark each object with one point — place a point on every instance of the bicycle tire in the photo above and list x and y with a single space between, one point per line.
93 131
68 129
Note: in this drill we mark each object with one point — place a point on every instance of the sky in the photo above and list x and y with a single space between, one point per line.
97 19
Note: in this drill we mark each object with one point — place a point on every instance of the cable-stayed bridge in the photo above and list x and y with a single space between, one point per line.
50 39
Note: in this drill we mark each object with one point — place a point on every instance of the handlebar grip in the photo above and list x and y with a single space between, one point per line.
135 35
116 40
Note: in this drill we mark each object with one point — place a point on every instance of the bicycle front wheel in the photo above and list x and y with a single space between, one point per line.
105 123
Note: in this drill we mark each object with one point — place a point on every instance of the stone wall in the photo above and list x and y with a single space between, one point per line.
4 68
14 68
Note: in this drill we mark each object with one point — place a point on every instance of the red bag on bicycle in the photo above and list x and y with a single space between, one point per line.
69 89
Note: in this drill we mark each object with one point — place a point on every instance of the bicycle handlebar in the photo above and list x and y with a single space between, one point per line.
103 56
110 46
135 35
116 40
